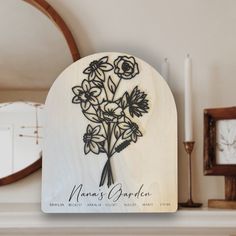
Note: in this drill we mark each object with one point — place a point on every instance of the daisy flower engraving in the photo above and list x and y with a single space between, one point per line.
137 103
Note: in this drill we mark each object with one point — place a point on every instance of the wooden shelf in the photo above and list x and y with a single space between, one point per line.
28 218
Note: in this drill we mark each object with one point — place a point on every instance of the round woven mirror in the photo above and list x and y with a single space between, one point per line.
35 46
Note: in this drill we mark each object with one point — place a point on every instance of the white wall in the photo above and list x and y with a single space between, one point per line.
152 30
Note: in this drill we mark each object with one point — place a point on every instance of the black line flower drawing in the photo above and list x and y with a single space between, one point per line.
98 68
86 95
111 112
126 67
92 138
137 103
131 130
115 130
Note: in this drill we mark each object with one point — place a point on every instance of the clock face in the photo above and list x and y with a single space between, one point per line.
110 138
226 141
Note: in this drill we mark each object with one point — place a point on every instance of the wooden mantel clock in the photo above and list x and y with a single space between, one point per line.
220 151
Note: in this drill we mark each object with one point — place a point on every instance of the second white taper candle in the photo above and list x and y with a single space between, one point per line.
188 99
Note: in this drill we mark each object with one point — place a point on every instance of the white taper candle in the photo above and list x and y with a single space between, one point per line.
165 69
188 99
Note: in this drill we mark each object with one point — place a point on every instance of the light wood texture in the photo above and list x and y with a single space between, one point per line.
230 188
221 204
150 162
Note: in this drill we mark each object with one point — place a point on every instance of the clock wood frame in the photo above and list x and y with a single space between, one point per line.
211 116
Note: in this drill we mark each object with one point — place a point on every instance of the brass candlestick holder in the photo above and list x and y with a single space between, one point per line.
189 148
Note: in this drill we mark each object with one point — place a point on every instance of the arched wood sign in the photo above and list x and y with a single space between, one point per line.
110 138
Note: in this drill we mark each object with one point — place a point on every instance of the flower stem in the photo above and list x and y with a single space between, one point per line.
110 180
104 128
105 92
114 146
116 90
107 170
109 138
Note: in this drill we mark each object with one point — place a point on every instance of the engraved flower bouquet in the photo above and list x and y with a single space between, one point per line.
113 128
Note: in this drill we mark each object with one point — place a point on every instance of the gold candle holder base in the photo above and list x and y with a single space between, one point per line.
190 204
189 148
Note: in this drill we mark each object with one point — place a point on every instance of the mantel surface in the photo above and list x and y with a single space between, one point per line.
28 218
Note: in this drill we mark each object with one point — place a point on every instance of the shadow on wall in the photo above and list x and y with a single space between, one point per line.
214 85
221 89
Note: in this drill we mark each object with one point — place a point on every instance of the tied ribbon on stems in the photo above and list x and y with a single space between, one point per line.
114 129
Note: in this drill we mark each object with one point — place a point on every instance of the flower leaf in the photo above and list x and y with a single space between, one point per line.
124 100
99 114
76 90
111 85
94 147
117 132
86 148
76 100
101 147
124 125
98 83
92 117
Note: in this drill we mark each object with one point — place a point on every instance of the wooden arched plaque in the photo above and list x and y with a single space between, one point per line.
110 138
